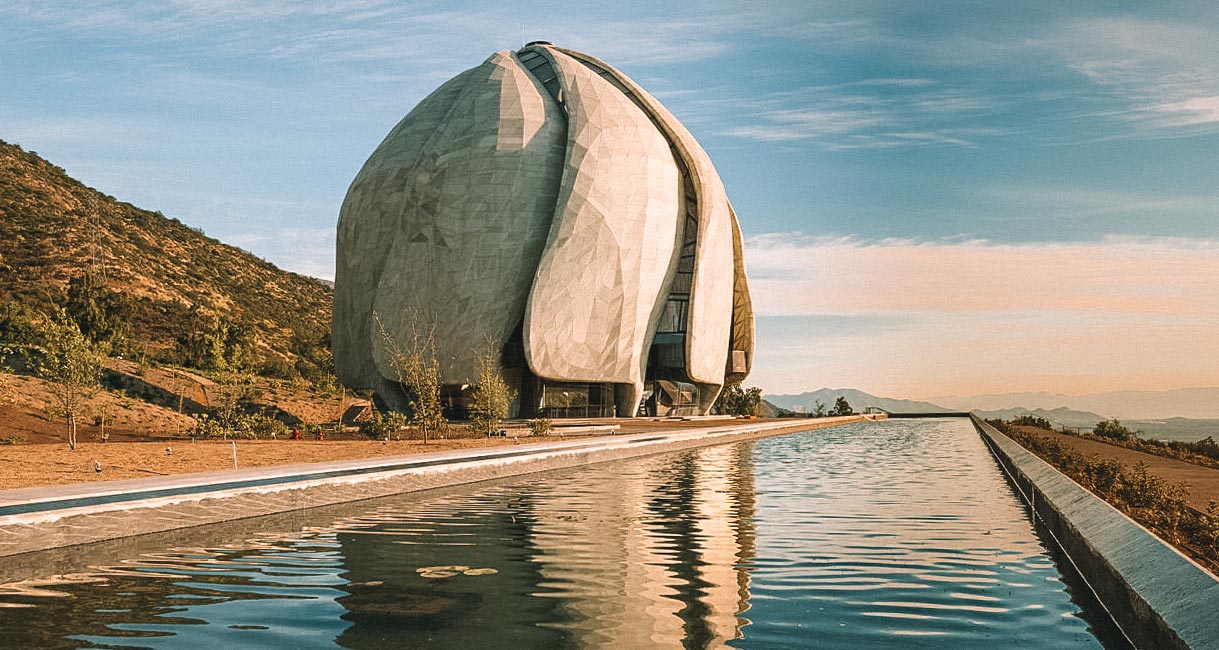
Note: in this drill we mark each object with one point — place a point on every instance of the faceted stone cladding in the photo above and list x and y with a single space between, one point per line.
721 312
495 204
446 222
613 243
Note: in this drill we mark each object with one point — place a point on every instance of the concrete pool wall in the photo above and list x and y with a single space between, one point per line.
1157 596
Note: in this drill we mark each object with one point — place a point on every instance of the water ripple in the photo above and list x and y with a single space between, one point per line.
889 535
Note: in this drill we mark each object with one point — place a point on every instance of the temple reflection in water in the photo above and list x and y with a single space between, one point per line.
653 555
879 535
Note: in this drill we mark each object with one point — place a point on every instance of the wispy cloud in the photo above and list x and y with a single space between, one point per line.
1190 112
1078 202
796 273
361 31
959 315
800 124
890 139
1164 74
1116 76
866 114
57 130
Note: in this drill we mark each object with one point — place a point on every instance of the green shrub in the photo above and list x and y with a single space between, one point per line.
1112 429
735 400
841 407
52 413
1205 447
1144 496
384 425
1000 425
541 426
249 426
277 368
258 425
1033 421
491 398
206 427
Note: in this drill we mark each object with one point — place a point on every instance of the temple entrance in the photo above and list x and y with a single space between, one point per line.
577 400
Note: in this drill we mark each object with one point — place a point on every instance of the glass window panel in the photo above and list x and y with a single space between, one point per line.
682 282
673 318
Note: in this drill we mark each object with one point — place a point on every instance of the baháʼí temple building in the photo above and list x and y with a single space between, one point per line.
545 204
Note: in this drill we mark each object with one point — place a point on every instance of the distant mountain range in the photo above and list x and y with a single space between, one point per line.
1173 428
1126 405
859 400
1062 416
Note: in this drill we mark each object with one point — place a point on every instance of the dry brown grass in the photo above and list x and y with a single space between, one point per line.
29 465
55 464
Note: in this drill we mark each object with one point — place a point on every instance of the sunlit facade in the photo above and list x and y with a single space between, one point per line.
544 204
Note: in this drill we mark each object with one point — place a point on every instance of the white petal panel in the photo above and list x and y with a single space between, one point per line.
613 241
710 320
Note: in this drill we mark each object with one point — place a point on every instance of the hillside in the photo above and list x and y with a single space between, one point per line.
161 288
1059 417
1193 403
859 400
1166 429
141 404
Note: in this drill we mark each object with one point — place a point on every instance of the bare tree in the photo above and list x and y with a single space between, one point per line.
418 371
103 418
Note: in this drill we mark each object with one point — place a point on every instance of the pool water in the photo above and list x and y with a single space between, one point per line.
898 534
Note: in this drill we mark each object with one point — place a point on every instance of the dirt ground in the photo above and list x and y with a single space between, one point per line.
55 464
1202 482
26 404
29 465
147 405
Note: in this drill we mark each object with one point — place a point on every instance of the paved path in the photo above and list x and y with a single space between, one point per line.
1202 482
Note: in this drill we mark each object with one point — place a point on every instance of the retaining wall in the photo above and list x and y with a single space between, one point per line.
1158 597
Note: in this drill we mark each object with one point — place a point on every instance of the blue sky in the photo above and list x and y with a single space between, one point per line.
1003 144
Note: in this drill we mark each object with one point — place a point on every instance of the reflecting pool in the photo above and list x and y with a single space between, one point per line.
898 534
